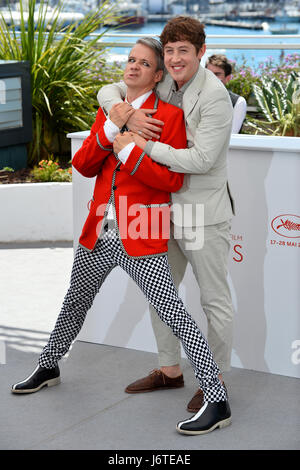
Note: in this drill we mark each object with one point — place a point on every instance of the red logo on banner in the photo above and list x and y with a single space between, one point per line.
287 225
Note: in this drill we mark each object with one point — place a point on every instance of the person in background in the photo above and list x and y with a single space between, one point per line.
222 68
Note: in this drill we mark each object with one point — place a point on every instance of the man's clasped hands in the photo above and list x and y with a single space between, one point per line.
141 125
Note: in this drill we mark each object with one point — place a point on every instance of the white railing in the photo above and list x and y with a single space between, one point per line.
228 45
215 45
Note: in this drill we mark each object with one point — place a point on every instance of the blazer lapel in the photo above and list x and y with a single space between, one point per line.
191 95
150 101
164 88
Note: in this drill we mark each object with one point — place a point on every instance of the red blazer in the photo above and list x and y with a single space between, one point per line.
139 189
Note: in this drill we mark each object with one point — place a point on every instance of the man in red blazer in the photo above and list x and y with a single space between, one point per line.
130 183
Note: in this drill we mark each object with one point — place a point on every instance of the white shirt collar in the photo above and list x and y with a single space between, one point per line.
138 102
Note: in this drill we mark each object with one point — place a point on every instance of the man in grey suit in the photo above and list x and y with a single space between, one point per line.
201 234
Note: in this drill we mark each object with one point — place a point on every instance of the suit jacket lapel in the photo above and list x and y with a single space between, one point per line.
191 95
150 101
164 88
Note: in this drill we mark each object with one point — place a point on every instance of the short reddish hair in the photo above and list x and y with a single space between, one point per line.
184 28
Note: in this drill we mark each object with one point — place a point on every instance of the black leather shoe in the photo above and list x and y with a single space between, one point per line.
209 417
40 377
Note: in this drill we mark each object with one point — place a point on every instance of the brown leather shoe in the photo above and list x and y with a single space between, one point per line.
156 380
197 401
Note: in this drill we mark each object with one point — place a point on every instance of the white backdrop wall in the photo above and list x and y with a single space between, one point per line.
264 263
32 212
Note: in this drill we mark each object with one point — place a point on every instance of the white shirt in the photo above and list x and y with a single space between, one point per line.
111 131
239 114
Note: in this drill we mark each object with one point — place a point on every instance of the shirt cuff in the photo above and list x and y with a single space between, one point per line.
110 130
149 147
125 152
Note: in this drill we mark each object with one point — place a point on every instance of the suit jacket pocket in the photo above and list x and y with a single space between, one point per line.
164 204
204 181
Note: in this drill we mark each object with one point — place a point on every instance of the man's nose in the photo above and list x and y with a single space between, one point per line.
176 57
134 65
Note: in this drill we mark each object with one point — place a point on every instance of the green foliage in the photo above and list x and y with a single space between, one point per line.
244 76
64 68
49 170
280 105
273 87
243 80
8 168
281 71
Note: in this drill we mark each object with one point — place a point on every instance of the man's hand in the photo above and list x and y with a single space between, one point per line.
122 140
139 141
120 113
148 126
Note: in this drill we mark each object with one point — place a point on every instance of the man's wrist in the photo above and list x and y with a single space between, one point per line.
125 152
148 148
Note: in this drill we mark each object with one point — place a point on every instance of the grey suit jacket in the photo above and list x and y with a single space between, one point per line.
208 115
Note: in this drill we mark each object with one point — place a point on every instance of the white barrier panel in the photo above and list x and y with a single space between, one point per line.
264 263
32 212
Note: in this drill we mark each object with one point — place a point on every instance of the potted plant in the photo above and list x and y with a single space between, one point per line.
279 104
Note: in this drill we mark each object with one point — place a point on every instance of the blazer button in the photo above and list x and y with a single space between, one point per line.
114 188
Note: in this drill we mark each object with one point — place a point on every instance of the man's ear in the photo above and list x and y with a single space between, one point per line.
228 78
201 52
158 76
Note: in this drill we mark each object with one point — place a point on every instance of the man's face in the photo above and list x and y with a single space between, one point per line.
140 72
219 72
182 60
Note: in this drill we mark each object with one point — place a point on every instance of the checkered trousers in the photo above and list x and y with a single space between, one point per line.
154 278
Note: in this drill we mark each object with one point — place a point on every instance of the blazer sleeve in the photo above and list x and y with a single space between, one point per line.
211 136
89 159
153 174
111 94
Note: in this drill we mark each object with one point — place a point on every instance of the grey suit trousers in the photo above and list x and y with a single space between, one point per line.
209 265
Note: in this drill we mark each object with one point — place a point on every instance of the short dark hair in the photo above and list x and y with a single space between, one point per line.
220 60
156 47
184 28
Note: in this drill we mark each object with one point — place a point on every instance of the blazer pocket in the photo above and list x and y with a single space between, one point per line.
163 204
201 182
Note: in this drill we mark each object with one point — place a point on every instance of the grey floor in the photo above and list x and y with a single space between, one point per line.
89 409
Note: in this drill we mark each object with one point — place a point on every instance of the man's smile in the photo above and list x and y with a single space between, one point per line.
177 68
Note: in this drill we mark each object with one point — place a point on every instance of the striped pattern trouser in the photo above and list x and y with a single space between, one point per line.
154 278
